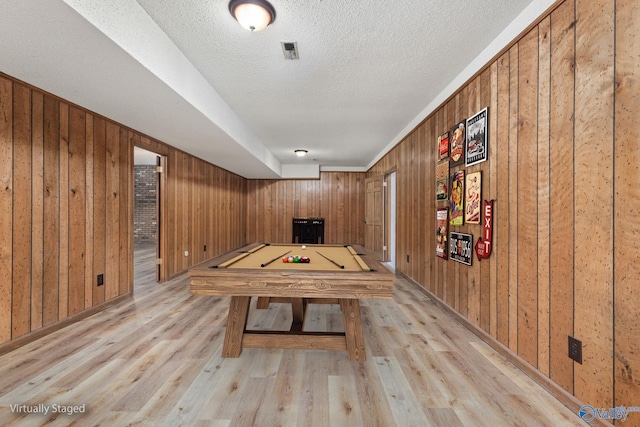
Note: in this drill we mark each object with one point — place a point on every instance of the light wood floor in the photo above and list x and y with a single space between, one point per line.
155 360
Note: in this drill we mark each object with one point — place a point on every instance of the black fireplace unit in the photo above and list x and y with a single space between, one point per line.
308 230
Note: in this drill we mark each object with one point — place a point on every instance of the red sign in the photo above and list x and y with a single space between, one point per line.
484 244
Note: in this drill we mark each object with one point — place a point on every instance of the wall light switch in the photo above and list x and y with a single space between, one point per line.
186 253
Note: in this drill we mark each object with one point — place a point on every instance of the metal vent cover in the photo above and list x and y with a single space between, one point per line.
290 50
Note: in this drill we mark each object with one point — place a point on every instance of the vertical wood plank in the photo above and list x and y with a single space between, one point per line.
486 92
593 200
112 187
513 197
527 190
99 207
251 210
51 226
463 273
561 193
193 210
202 205
501 231
77 210
543 219
63 296
207 212
187 209
340 193
21 300
160 246
125 164
455 279
88 242
6 206
172 217
441 284
493 194
450 291
627 188
179 213
37 208
472 272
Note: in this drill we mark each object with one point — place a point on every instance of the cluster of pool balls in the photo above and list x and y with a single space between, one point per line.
296 258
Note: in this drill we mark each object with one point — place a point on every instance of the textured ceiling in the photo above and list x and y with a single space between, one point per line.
185 72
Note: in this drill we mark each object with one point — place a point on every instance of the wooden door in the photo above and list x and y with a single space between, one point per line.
374 216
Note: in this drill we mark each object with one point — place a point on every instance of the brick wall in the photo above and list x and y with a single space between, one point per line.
144 220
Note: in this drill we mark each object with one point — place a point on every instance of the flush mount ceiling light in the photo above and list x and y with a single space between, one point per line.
301 153
254 15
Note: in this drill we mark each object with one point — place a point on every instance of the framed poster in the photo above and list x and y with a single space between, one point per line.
443 146
472 199
456 144
477 133
442 180
461 247
442 224
456 199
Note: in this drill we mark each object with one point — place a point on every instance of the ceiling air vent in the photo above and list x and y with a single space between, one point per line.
290 50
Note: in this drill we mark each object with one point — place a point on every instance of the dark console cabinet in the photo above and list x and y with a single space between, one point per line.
308 230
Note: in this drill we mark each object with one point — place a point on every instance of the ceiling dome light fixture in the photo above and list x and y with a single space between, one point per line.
301 153
254 15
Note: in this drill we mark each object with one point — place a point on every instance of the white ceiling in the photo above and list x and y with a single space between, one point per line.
186 73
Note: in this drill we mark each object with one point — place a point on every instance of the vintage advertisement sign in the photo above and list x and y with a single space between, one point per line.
472 199
456 199
443 146
461 247
477 134
484 243
442 180
442 225
456 144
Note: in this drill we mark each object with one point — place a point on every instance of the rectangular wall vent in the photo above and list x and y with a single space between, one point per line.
290 50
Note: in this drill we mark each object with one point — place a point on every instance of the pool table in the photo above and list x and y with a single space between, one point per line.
335 274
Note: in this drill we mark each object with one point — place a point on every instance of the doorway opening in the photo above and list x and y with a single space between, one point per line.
147 217
390 219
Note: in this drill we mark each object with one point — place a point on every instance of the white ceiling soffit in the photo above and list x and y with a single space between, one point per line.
186 73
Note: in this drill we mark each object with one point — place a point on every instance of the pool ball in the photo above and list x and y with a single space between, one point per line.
304 247
290 259
285 259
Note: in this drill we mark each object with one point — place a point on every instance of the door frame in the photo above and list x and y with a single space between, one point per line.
390 216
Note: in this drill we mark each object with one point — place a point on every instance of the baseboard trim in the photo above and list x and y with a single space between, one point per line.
9 346
545 382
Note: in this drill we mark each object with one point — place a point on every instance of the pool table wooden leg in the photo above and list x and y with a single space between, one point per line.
298 310
236 324
353 329
263 303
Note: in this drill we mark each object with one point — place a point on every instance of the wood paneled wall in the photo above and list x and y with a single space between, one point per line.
563 168
66 206
65 212
338 197
206 212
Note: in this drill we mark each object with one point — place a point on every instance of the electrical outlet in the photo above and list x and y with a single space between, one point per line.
575 349
100 279
186 253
